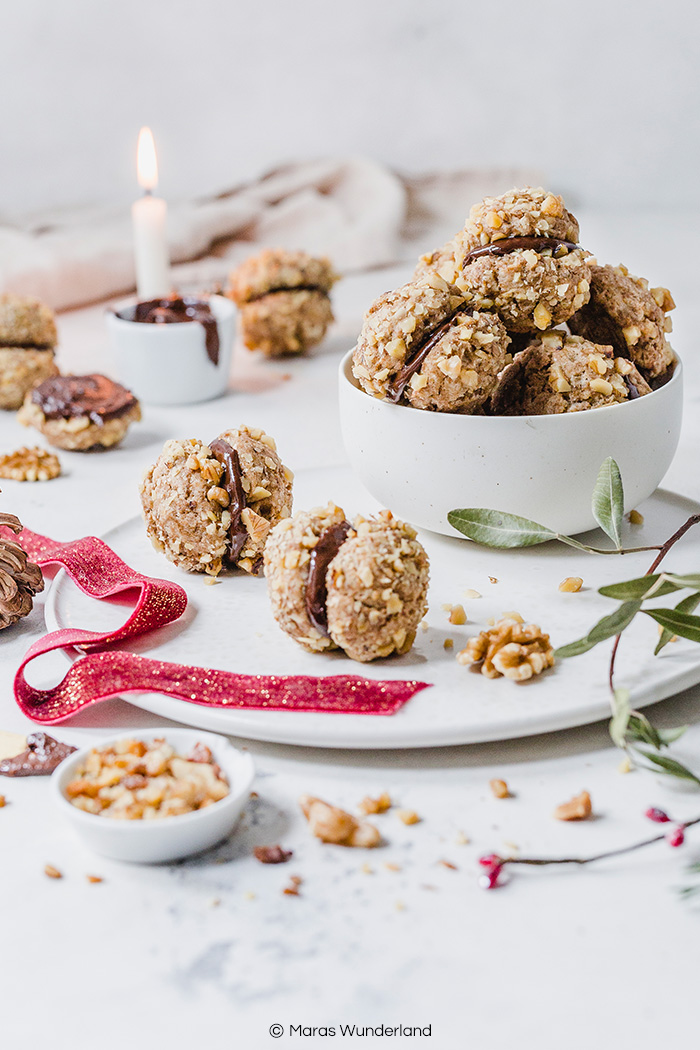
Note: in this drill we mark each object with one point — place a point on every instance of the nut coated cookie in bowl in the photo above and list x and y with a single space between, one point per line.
543 467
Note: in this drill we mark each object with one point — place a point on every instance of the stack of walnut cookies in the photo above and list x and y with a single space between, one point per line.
514 317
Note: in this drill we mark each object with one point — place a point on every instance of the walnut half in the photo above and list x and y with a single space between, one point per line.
332 824
510 649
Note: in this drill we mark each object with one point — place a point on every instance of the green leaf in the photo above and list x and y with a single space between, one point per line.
493 528
669 766
639 588
608 500
609 626
621 716
677 622
669 736
686 605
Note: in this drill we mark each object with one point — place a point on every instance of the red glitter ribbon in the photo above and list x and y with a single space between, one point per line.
105 672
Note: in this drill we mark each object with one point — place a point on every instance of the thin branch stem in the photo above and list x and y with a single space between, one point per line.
542 861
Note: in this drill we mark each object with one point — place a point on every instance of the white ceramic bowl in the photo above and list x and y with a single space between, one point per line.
423 464
154 841
168 364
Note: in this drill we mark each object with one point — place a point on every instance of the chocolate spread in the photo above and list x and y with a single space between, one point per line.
176 310
95 396
399 381
232 482
40 759
286 288
329 543
512 244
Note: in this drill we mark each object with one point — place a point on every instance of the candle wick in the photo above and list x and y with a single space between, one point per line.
148 192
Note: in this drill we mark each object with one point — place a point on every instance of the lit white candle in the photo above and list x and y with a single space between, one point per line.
149 215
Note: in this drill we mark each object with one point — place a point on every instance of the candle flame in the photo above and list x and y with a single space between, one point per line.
147 164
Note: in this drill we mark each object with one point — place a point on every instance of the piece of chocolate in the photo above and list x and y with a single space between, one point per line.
42 756
329 543
94 396
232 482
177 310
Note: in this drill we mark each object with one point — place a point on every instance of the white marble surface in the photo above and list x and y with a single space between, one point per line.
211 952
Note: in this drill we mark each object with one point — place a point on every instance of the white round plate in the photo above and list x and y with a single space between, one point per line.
230 626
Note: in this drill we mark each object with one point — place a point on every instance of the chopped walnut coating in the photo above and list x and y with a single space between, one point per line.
133 780
514 650
332 824
30 464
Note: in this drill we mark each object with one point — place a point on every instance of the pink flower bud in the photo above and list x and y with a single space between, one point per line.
676 837
657 815
490 860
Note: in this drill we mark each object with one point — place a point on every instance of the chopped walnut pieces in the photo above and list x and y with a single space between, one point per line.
515 650
292 890
272 854
30 464
493 579
635 518
132 780
53 873
571 584
332 824
499 789
94 878
408 816
578 808
471 593
375 805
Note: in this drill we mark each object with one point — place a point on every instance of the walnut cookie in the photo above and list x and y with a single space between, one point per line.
210 506
27 341
360 587
80 413
283 299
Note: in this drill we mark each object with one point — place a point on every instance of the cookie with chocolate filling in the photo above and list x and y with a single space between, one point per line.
80 413
361 586
420 345
518 254
283 301
212 506
628 315
565 373
27 340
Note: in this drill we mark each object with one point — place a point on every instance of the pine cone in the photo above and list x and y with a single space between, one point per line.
20 579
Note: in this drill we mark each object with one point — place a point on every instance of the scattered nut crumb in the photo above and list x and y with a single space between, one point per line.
292 890
332 824
493 579
499 788
457 615
53 873
424 625
510 648
390 866
511 614
408 816
210 581
635 518
253 794
578 808
30 464
249 895
512 846
625 766
428 886
448 864
94 878
571 584
367 869
470 593
400 906
461 839
272 854
448 643
375 805
215 902
3 801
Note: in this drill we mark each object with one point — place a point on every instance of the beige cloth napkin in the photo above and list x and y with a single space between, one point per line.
358 212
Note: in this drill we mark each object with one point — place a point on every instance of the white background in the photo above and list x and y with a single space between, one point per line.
602 96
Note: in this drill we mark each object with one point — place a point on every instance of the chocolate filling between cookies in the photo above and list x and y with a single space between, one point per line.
400 380
232 482
329 543
287 288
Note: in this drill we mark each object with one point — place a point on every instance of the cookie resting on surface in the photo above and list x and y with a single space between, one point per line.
80 413
212 506
565 373
518 255
625 313
420 345
283 301
360 587
27 340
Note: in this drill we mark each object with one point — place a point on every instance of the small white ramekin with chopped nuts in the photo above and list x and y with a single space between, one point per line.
154 795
